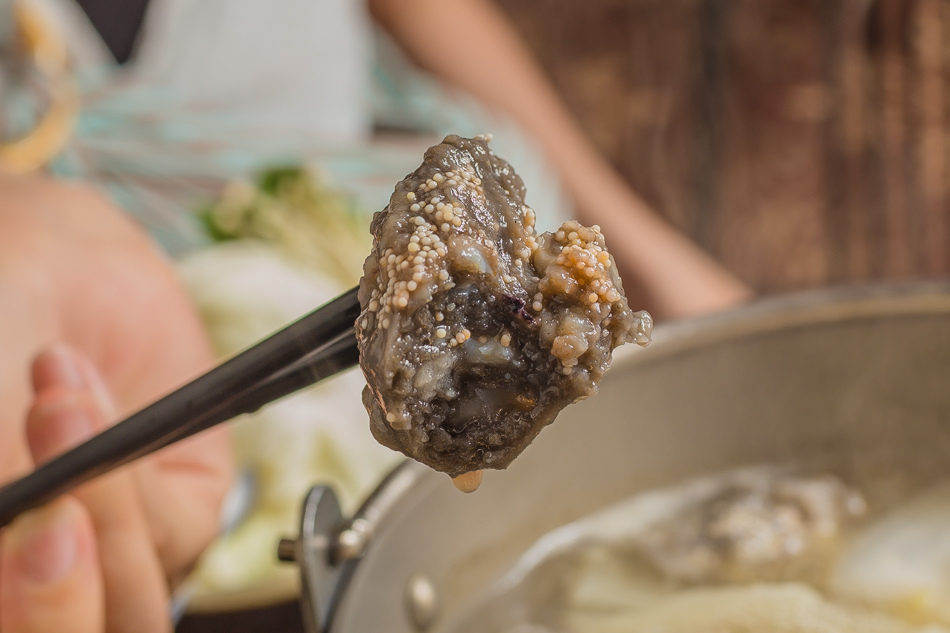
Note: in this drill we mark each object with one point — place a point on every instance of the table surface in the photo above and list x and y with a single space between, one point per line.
281 618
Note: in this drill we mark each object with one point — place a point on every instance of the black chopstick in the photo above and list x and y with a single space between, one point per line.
317 346
335 357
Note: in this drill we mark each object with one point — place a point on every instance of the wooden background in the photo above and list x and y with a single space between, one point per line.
801 142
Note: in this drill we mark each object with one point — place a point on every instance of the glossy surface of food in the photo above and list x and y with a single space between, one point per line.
475 330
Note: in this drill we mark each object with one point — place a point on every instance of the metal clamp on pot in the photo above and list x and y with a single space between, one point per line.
330 547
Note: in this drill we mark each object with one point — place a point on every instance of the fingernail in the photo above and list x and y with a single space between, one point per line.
46 543
62 367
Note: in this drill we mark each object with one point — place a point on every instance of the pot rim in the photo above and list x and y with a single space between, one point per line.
763 315
788 311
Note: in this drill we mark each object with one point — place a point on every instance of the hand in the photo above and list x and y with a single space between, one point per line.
74 269
87 562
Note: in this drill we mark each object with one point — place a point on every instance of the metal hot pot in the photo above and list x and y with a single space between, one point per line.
857 377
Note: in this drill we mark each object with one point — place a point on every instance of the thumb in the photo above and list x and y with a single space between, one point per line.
49 574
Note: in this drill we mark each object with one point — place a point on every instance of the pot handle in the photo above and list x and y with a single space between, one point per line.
329 547
313 552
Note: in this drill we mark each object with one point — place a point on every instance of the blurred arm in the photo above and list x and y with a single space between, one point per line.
663 270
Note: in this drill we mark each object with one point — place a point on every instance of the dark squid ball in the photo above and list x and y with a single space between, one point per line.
475 330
